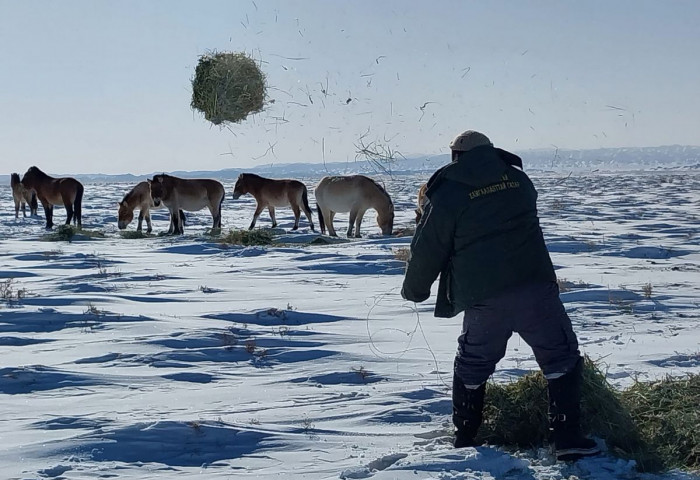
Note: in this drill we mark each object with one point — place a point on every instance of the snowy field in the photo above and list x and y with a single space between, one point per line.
163 358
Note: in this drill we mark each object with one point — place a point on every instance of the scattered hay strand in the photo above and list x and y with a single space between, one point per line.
227 87
653 423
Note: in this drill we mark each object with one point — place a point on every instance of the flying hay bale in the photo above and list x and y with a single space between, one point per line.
227 87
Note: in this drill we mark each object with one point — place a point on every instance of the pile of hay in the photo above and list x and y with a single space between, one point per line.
68 233
653 423
227 87
668 414
247 237
133 234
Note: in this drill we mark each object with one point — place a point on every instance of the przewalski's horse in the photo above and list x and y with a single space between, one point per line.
355 194
23 196
139 197
420 201
274 193
190 194
53 191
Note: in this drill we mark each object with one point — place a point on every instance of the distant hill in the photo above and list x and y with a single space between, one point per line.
672 157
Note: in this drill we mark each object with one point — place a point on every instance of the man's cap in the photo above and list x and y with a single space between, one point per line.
465 141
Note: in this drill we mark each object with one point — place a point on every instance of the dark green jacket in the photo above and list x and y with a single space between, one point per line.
480 233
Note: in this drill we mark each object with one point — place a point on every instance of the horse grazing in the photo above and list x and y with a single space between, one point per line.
23 196
139 197
274 193
355 194
420 201
52 191
190 194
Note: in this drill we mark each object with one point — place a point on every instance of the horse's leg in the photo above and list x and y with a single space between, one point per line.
358 222
48 213
24 210
353 216
140 223
271 211
17 210
297 216
329 222
258 211
78 207
179 226
216 216
309 218
147 216
69 211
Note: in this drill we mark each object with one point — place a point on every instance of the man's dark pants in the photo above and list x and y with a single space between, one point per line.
536 313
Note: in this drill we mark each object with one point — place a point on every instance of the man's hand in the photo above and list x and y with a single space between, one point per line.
412 296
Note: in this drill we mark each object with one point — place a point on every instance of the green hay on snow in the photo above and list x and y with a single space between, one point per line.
657 424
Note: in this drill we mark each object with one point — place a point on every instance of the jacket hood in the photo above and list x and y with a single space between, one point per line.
478 167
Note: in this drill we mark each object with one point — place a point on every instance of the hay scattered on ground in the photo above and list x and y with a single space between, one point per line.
133 234
653 423
247 237
667 413
227 87
68 233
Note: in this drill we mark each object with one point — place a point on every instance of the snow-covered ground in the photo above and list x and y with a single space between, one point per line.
176 357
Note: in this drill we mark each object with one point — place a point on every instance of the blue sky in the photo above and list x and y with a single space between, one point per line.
104 86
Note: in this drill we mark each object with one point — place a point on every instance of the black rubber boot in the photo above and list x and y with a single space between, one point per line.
565 417
467 410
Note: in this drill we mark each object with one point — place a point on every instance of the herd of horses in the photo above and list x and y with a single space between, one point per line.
353 194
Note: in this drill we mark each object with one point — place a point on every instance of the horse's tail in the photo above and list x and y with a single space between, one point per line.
78 206
14 179
221 202
321 221
305 199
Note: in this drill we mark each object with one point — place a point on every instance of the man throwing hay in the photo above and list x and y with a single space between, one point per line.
480 233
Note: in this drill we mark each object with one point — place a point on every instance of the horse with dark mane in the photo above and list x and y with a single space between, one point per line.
355 194
140 197
23 196
190 194
272 193
53 191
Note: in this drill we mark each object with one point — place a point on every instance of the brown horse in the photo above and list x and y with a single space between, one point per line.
355 194
420 201
52 191
274 193
190 194
139 197
23 196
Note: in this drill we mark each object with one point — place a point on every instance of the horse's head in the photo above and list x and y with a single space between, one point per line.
385 220
157 189
125 216
241 187
30 177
